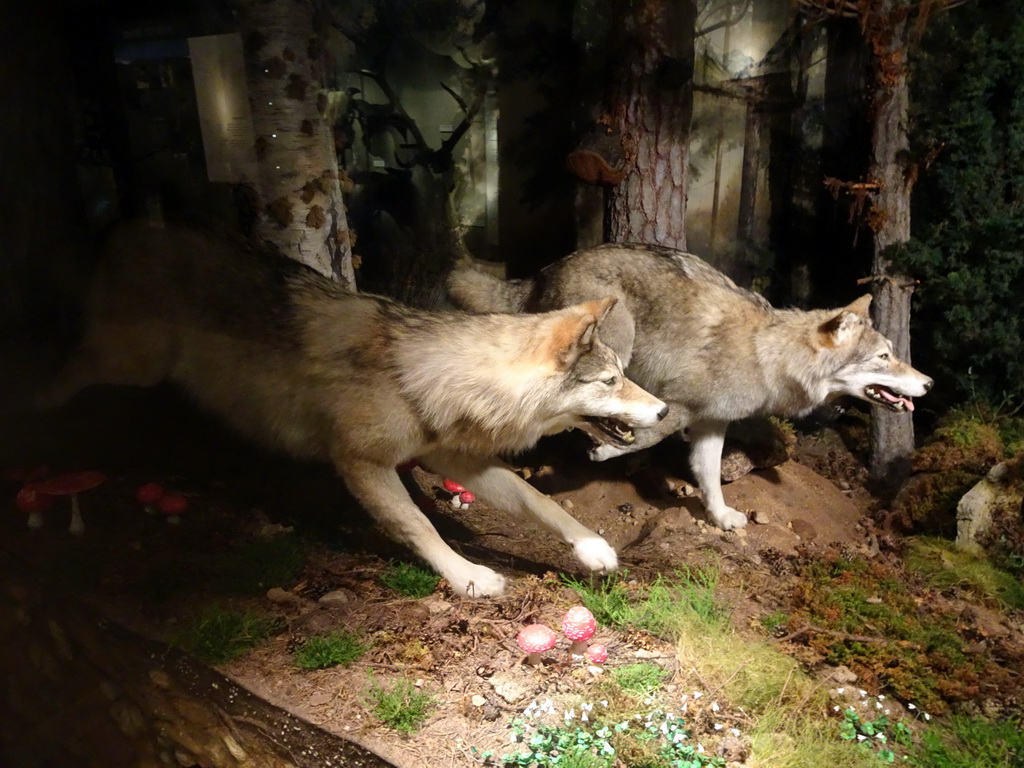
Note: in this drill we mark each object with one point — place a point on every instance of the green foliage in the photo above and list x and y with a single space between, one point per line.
658 739
945 566
641 678
883 632
972 742
663 607
410 580
330 650
968 245
886 738
219 635
400 706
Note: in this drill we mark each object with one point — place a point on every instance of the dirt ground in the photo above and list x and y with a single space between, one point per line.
461 650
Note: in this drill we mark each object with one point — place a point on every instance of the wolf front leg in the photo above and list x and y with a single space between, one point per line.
498 485
381 492
706 441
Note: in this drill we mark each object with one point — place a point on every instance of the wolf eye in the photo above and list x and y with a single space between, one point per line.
885 355
612 381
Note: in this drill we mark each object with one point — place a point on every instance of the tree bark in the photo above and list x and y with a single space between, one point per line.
892 434
651 105
299 203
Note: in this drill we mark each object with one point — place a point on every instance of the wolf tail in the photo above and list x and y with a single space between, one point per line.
473 289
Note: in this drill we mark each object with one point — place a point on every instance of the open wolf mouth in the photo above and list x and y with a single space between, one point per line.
884 396
618 431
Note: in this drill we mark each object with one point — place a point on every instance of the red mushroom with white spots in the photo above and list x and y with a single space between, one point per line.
30 499
461 498
148 494
597 654
534 640
71 485
174 506
578 624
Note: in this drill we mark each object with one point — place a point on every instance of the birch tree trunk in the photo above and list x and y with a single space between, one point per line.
651 105
892 434
299 203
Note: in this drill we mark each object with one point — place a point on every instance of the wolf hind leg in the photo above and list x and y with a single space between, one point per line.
127 355
706 441
496 483
676 419
381 492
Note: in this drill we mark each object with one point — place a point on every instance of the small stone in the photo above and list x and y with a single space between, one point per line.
760 517
567 504
804 529
478 700
282 596
337 597
435 605
510 689
160 678
740 532
319 698
843 485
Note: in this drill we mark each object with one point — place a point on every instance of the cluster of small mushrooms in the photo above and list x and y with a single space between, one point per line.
39 492
578 625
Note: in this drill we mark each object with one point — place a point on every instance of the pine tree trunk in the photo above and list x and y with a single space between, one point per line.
652 104
892 434
300 209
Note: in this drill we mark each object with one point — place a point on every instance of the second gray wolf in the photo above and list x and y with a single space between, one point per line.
294 361
713 351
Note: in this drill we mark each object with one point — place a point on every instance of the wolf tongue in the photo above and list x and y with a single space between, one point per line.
907 402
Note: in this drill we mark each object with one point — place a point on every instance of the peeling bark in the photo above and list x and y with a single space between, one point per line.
652 105
300 208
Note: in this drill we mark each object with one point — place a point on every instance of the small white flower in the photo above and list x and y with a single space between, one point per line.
697 694
714 706
569 714
881 697
861 737
685 707
513 738
835 708
718 726
927 716
734 731
584 718
685 697
700 747
587 707
911 706
604 703
863 693
840 690
880 736
887 711
878 705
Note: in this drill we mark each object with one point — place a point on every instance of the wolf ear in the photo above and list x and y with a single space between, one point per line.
839 330
575 334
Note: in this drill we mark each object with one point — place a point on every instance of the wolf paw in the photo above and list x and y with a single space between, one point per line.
728 519
596 554
472 580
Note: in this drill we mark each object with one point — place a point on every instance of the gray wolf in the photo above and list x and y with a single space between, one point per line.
710 349
294 361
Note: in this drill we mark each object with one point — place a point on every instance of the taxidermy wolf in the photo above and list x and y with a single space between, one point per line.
710 349
294 361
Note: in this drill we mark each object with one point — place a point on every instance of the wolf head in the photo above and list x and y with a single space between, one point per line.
601 400
865 364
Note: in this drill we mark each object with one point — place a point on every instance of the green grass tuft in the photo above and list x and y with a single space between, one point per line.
401 706
964 741
665 607
410 580
323 651
641 679
945 566
219 635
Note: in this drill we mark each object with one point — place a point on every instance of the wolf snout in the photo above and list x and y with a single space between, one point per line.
664 411
928 385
